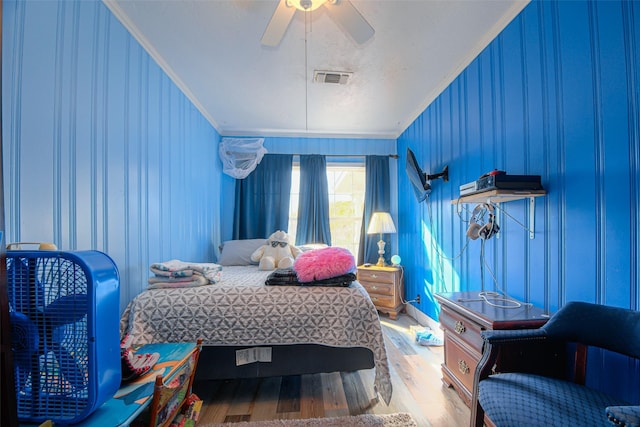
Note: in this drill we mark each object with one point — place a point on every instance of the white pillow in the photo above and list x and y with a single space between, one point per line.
311 246
238 252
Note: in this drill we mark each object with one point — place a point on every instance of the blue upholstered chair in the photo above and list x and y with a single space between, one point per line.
542 394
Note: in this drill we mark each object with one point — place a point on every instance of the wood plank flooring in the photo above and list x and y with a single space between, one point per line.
415 374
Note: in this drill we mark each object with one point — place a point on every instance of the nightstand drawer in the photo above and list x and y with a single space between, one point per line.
383 301
462 328
378 276
379 288
461 363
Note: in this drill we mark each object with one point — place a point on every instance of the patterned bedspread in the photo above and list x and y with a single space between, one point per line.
242 310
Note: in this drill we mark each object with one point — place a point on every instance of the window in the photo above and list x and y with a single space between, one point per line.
346 182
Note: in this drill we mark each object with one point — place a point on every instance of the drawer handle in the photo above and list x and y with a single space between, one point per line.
375 288
460 328
374 275
463 367
374 299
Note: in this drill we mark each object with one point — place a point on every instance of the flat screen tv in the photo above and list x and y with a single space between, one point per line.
417 177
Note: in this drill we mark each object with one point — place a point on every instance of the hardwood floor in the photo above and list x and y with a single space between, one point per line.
415 374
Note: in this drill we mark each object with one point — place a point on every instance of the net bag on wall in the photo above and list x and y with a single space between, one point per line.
240 156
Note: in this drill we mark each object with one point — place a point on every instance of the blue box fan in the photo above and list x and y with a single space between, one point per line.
64 315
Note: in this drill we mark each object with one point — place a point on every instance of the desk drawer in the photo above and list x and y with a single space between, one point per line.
461 327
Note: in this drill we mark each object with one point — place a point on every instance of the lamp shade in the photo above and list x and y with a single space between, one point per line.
382 223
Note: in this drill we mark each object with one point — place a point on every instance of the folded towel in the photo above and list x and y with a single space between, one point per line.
177 268
168 273
196 280
163 279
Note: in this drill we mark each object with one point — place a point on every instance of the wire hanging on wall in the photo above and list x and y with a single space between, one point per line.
499 297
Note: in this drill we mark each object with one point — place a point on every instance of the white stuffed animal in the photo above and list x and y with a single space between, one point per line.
276 253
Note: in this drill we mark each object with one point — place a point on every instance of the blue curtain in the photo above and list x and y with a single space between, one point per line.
262 198
377 197
313 208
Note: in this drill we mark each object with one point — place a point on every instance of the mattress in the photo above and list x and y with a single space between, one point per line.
242 310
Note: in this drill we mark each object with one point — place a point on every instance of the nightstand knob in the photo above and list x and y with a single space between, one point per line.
375 276
374 299
460 328
374 288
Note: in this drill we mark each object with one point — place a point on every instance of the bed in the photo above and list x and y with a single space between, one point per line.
307 329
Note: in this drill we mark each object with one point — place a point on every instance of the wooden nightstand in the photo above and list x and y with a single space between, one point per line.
463 317
385 287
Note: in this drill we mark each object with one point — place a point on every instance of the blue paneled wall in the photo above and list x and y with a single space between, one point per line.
101 150
556 95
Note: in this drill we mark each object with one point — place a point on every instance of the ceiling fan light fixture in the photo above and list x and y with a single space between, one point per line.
306 5
342 11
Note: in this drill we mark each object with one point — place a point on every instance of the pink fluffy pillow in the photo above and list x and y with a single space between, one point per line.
325 263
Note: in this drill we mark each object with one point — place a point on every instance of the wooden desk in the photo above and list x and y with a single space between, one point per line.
177 361
464 315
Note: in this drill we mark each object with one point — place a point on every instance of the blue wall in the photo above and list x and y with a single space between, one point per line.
101 150
556 95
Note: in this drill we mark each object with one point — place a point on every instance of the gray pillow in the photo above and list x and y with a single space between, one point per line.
238 252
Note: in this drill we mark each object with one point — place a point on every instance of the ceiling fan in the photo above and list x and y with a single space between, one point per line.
342 11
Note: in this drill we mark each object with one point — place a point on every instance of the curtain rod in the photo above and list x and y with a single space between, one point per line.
393 156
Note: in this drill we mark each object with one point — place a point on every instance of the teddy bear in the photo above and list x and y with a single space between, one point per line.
276 252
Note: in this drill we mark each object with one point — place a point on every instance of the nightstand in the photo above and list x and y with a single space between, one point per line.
463 317
385 286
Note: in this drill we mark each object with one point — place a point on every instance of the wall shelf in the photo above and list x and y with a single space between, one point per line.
500 196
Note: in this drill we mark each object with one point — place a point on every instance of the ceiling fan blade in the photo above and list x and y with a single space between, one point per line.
278 24
345 14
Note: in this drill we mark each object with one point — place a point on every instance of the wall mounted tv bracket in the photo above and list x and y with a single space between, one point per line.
444 175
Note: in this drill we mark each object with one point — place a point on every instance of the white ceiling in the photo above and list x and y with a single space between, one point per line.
211 49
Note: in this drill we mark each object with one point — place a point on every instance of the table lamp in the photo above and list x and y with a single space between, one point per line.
381 222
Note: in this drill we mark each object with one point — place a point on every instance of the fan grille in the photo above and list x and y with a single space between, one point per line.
48 301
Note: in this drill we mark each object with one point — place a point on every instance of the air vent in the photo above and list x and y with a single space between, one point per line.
333 77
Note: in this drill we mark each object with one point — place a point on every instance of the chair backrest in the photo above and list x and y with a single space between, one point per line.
611 328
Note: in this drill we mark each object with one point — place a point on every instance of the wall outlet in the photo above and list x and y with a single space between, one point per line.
418 299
